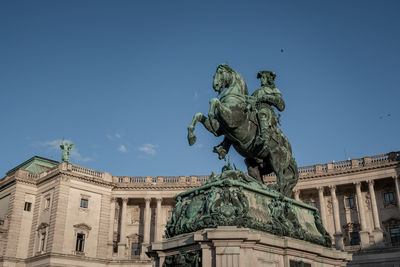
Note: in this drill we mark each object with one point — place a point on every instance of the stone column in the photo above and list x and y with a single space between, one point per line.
158 229
146 226
122 233
396 183
364 235
322 205
111 230
378 233
338 229
296 194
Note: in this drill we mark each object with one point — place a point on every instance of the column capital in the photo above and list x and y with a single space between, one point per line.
296 191
320 188
113 199
147 199
332 187
371 182
159 199
394 177
125 200
357 184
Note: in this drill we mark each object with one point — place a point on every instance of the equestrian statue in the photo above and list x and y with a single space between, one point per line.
250 125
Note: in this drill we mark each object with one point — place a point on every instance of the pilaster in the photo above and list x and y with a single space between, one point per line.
147 224
364 234
113 201
396 183
58 216
104 222
158 229
322 205
122 234
338 229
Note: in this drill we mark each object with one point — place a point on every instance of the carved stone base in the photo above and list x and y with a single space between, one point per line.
378 238
234 247
339 243
236 199
364 237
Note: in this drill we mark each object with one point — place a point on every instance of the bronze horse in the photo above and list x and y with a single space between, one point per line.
229 116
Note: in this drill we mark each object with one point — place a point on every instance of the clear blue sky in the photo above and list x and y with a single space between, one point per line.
124 78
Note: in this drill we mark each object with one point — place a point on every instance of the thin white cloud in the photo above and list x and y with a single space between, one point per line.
122 149
74 153
148 149
113 137
196 96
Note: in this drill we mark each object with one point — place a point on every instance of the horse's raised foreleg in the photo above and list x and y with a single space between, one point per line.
199 117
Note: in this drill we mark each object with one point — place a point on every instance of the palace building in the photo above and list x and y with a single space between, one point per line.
61 214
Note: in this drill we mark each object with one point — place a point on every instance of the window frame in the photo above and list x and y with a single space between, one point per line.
80 242
28 206
83 202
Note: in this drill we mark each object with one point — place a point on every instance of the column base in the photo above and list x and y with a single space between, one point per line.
339 241
121 250
144 249
364 237
378 237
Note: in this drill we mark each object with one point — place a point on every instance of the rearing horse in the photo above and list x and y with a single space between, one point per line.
229 116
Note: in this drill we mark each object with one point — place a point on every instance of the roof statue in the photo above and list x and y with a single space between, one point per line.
66 147
250 125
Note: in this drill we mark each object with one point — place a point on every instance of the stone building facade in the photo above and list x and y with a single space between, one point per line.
61 214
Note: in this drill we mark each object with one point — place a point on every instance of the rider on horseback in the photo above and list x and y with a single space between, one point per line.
267 96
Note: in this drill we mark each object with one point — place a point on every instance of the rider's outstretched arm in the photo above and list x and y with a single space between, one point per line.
275 100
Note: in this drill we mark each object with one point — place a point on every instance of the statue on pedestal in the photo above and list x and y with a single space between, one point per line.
65 150
250 125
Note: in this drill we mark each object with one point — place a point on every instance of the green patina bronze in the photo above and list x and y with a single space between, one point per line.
234 198
184 259
250 125
65 150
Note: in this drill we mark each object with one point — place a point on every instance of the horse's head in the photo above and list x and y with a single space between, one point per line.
222 77
225 76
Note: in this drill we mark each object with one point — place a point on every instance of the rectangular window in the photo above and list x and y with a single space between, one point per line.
84 203
27 206
135 249
42 241
395 235
47 203
389 197
80 242
350 203
354 239
299 264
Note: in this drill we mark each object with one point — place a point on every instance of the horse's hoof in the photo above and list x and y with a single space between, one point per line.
192 139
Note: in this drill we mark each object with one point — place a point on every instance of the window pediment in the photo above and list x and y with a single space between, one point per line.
83 226
43 226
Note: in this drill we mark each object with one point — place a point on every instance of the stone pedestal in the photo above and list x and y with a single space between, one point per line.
229 246
364 238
